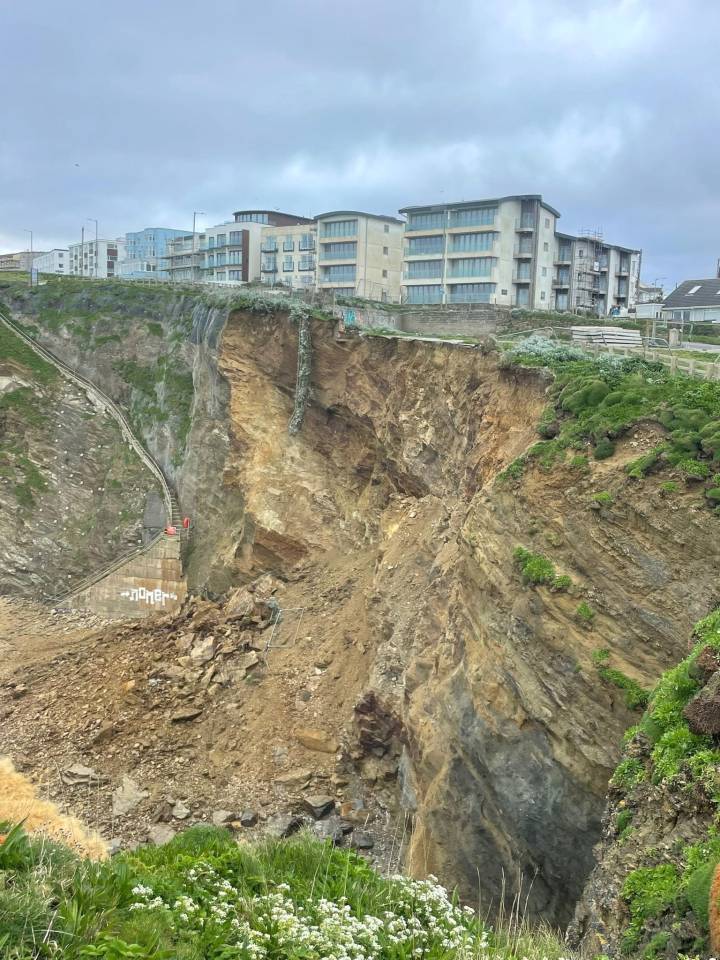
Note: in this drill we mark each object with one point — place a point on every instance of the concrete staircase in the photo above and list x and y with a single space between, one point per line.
146 579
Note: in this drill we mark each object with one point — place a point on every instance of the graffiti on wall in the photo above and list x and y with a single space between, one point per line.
156 597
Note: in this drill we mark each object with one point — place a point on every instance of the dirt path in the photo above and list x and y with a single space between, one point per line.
30 633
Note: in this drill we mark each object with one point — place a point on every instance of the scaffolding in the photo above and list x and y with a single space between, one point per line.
591 272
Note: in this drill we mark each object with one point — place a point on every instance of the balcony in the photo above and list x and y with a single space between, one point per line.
525 224
269 266
329 257
521 277
425 252
288 246
269 246
523 253
414 228
561 282
307 245
306 264
424 278
564 256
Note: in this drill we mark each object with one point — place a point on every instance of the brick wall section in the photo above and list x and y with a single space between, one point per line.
150 583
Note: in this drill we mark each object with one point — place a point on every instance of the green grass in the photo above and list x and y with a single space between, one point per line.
599 399
14 350
204 896
636 698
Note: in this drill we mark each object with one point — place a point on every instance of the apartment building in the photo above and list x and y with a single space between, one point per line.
508 251
96 258
54 261
360 254
146 253
595 277
288 255
485 251
184 257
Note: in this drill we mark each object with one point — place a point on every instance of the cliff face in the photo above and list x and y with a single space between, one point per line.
464 697
484 714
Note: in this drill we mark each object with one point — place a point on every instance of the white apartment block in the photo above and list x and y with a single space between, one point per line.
54 261
508 251
288 255
96 258
185 257
360 254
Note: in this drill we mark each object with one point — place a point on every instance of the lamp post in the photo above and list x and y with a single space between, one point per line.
31 254
196 213
93 220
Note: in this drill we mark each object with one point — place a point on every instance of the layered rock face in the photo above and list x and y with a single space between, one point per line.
495 730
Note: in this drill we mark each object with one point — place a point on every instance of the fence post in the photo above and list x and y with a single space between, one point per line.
673 364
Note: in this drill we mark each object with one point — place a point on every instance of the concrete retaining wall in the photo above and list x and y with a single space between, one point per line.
151 582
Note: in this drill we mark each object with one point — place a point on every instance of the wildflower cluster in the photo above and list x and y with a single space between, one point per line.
419 920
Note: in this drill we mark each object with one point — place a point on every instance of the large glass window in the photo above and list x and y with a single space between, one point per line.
471 267
424 245
427 221
471 241
306 263
235 274
288 244
471 292
523 271
307 242
251 218
473 217
288 264
339 228
423 270
221 240
221 259
338 272
235 236
431 293
235 256
339 251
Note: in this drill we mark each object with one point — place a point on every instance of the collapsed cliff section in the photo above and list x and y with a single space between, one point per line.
649 894
484 715
70 486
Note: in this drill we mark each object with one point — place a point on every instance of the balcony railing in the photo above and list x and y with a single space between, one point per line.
269 246
425 276
336 256
525 223
468 297
423 251
561 281
521 277
564 256
306 245
523 253
415 228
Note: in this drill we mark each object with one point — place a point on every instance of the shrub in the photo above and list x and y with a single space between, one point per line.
669 486
635 696
603 496
693 469
713 494
604 448
585 612
648 892
638 469
628 774
535 567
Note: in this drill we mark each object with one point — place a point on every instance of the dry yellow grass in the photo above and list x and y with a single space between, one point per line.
19 801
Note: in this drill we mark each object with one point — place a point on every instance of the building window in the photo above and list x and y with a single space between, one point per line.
339 251
547 223
251 218
423 270
307 242
424 245
288 244
544 271
339 272
472 241
430 293
426 221
472 267
546 246
387 227
384 273
306 263
542 294
211 241
470 292
339 228
474 217
235 256
221 240
288 263
235 236
234 274
385 251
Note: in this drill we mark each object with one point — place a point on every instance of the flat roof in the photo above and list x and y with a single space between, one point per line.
357 213
274 213
461 205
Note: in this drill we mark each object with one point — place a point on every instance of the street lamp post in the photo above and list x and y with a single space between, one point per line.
30 271
196 213
93 220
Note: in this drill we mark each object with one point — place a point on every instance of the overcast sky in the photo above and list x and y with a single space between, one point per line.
139 113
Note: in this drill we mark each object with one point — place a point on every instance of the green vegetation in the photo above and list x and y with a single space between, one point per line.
13 350
603 497
669 486
585 612
598 399
537 568
628 774
205 897
648 891
636 698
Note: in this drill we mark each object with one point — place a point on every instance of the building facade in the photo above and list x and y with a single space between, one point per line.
360 254
22 260
54 261
184 257
693 301
594 277
96 258
146 253
289 255
508 251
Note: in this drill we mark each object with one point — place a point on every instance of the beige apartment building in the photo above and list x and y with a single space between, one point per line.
289 255
508 251
360 254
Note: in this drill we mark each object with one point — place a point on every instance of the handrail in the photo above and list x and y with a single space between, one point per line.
104 401
112 408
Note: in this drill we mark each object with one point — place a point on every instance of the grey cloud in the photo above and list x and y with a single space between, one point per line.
607 108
